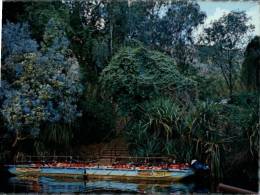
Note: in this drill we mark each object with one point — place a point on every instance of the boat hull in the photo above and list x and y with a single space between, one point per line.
103 173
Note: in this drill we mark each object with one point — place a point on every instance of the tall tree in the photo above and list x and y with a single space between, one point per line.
169 27
226 38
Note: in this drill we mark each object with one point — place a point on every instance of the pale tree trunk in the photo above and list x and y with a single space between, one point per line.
14 146
16 139
14 151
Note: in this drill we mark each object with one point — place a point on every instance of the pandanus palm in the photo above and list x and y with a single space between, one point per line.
161 116
207 132
155 127
57 136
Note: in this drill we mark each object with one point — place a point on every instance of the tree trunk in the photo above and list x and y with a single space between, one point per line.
14 148
16 139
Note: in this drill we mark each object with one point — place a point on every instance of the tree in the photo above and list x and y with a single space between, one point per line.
172 32
101 28
136 74
89 41
38 14
250 74
46 87
226 38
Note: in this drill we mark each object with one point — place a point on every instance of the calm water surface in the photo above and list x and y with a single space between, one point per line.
70 185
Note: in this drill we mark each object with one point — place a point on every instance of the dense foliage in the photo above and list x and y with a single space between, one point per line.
205 130
71 70
45 83
227 37
172 30
136 74
100 117
251 67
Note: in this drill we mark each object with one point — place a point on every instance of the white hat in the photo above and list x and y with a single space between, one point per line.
193 161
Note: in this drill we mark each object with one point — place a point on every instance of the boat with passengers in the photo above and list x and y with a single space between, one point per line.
162 171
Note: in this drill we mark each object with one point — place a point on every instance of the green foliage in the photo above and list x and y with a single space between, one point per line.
158 121
208 133
97 122
41 88
56 137
205 131
245 114
171 30
250 73
54 37
91 49
225 39
136 75
141 143
162 116
38 15
253 134
210 86
245 99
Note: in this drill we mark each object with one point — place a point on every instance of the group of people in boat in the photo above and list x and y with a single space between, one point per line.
116 165
150 166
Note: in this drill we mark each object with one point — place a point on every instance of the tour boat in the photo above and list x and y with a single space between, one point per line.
172 172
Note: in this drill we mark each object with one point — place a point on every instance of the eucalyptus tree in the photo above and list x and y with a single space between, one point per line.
169 26
226 39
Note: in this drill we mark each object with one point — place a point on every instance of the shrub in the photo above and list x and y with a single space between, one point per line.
136 74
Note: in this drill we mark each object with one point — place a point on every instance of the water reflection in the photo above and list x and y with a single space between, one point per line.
70 185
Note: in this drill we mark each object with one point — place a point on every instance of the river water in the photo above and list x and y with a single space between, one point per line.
43 184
